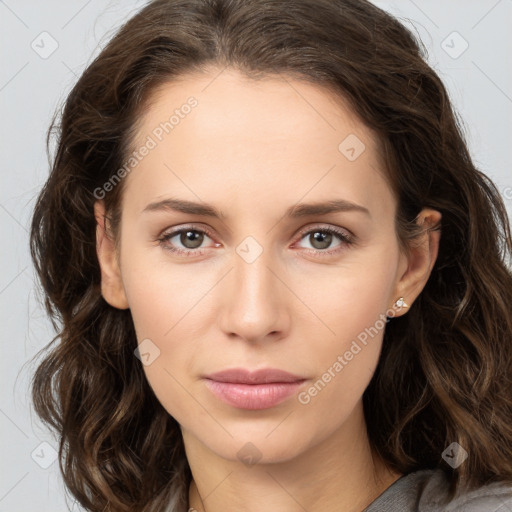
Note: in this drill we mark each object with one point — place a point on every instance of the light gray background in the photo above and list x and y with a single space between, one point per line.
31 87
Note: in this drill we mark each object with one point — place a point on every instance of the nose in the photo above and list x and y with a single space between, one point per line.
255 302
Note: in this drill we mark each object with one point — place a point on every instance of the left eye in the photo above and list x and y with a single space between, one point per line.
322 239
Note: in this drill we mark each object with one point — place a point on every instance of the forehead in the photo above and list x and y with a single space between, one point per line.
221 133
230 103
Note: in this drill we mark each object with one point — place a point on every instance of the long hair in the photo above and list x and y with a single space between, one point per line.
445 372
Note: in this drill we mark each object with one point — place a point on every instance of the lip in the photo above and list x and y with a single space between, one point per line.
260 389
262 376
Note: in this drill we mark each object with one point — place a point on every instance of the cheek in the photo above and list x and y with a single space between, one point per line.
150 305
351 303
162 316
351 297
344 367
160 294
165 304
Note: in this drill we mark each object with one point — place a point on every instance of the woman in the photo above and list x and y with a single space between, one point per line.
281 281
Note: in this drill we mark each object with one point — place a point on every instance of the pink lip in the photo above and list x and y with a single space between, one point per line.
260 389
263 376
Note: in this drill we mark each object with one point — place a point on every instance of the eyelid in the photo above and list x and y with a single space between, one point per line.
175 230
169 233
344 232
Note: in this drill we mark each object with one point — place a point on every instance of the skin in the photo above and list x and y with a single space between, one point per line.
253 149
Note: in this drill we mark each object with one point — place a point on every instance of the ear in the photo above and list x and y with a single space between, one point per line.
111 283
418 265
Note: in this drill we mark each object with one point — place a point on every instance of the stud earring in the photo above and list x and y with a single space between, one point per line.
400 303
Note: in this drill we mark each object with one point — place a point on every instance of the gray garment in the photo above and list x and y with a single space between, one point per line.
423 491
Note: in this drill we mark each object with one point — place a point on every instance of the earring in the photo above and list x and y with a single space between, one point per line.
400 303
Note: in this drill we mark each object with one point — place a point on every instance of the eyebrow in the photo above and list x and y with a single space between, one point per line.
297 211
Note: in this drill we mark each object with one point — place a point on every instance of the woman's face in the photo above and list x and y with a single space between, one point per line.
266 284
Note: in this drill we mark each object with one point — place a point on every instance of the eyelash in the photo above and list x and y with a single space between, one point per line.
346 239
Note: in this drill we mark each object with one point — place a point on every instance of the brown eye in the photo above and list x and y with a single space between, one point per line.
184 241
191 239
320 239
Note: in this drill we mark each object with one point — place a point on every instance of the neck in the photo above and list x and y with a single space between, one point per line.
339 473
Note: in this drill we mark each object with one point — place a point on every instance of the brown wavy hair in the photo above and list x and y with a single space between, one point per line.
445 372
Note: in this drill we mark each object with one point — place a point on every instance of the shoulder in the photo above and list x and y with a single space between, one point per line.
494 497
427 491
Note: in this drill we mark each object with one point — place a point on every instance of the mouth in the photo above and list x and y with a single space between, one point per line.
261 389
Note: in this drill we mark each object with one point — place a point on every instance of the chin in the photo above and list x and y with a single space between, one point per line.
257 445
